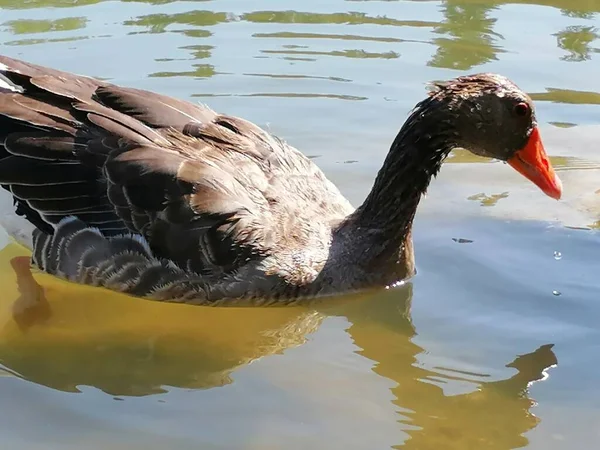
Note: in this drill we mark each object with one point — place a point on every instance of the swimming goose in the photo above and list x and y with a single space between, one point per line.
159 198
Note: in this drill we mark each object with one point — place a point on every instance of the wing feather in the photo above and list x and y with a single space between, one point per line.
207 191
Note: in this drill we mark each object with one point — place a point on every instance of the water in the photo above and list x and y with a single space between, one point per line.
477 352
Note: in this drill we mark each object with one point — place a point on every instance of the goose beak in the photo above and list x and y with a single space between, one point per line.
532 162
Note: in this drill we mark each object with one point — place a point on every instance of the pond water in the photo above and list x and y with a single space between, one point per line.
491 346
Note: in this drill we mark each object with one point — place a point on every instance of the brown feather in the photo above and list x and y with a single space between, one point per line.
113 122
153 109
41 146
10 108
215 195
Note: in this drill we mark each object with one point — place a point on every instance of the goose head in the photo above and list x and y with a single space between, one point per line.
491 117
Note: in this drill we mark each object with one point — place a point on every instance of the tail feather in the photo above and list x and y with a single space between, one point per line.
125 263
41 146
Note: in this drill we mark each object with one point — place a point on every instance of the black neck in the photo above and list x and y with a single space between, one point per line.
415 156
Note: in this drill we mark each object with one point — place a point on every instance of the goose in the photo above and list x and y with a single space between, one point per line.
159 198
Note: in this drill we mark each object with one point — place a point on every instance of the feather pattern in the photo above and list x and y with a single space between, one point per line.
213 197
156 197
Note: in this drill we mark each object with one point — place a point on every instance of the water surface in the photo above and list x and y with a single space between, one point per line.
491 346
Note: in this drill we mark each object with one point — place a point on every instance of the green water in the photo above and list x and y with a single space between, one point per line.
492 346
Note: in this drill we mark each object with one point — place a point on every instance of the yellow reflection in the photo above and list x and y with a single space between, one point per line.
63 335
488 200
20 4
46 26
158 23
354 53
571 96
345 37
577 41
471 36
494 415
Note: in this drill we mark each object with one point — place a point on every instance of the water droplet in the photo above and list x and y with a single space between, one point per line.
557 255
556 293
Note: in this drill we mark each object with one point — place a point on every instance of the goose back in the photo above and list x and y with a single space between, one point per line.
209 192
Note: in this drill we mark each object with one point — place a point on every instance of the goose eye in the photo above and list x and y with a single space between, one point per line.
521 109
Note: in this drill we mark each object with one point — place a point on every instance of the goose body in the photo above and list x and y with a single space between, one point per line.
160 198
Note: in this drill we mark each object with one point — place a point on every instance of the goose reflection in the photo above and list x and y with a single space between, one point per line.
577 41
471 38
496 414
64 336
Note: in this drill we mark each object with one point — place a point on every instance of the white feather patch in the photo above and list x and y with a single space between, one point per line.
6 84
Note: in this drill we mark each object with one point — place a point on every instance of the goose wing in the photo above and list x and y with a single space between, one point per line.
207 191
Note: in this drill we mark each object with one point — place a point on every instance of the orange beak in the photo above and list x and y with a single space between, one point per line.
532 162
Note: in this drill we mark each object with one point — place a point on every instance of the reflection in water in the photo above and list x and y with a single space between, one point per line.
567 96
576 40
63 336
462 156
43 41
200 70
495 414
19 27
158 23
292 76
571 8
488 200
343 37
563 163
563 124
580 14
356 53
467 37
159 2
286 95
45 26
466 33
471 29
20 4
76 335
31 307
346 18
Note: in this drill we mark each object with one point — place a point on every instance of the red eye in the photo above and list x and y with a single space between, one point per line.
521 109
